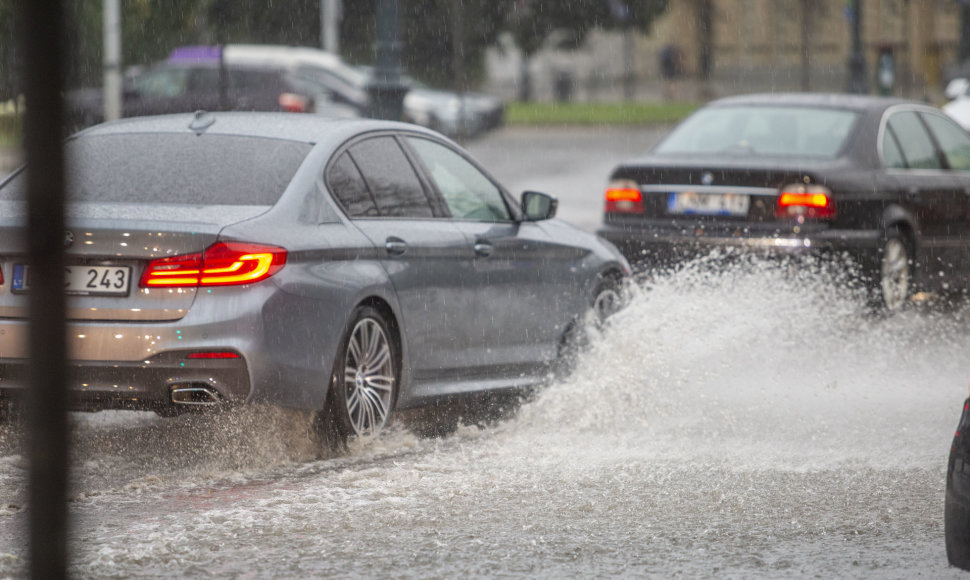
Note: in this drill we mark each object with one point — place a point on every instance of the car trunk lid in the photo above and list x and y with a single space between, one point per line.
107 249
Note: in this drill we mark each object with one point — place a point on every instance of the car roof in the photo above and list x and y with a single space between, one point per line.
280 53
288 126
824 100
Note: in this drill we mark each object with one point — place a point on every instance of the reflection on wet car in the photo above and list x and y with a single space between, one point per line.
882 181
956 512
193 79
342 266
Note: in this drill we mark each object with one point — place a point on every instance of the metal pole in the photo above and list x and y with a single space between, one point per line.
458 54
386 90
330 25
857 59
42 34
112 60
806 68
964 48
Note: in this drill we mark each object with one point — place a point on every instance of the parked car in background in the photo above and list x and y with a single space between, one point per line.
956 511
466 114
883 181
347 267
194 80
958 91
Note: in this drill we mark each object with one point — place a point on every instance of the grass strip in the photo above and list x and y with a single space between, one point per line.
597 113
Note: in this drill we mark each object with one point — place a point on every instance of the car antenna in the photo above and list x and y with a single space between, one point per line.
201 121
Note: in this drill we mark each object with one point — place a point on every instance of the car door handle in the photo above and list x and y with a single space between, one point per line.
395 246
484 249
912 194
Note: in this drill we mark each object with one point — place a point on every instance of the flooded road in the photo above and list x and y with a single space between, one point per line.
750 421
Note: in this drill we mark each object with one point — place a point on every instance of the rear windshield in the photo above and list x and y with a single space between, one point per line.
176 168
763 130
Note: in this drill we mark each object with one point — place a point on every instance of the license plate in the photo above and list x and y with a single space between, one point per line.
693 203
82 280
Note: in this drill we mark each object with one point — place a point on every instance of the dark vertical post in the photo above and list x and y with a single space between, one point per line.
705 30
806 68
458 54
964 48
629 74
42 32
857 58
386 90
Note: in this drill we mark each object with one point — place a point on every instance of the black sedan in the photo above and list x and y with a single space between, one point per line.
882 181
956 513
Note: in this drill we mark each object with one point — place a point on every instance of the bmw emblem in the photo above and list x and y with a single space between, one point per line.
68 239
707 178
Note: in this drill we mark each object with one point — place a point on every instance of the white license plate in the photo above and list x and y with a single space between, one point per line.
693 203
83 280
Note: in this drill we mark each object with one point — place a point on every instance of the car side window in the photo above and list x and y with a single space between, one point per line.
390 178
954 141
347 184
468 193
915 142
891 154
162 83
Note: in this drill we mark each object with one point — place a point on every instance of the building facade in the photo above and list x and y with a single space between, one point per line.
740 46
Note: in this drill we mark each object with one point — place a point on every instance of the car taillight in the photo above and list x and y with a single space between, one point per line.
623 196
810 201
221 264
292 103
213 355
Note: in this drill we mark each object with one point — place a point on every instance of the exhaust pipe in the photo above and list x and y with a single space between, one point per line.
195 394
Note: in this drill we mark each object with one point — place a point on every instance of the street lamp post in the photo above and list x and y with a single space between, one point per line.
385 88
857 58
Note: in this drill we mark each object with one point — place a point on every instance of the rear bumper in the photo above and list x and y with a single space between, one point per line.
649 246
167 383
138 364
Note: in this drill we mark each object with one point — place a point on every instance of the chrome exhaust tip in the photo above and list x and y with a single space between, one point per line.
195 394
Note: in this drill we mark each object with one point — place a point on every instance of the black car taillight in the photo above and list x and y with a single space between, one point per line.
623 196
809 201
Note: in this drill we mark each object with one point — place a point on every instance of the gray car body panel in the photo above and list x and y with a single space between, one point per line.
287 329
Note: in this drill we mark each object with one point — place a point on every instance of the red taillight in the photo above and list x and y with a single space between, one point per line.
623 196
292 103
222 264
810 201
219 354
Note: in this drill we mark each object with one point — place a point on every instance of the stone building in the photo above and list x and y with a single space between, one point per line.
753 45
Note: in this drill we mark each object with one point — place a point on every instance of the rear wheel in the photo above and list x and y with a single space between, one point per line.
895 273
364 382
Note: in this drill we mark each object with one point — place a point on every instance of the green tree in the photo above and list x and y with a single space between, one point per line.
428 35
532 23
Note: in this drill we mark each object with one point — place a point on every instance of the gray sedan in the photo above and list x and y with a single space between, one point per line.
345 267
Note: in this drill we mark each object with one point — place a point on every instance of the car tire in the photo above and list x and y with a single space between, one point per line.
607 300
956 530
894 273
364 382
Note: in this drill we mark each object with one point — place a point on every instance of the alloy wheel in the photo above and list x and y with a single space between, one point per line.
606 303
368 377
895 274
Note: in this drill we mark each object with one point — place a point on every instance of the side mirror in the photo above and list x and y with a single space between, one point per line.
538 206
